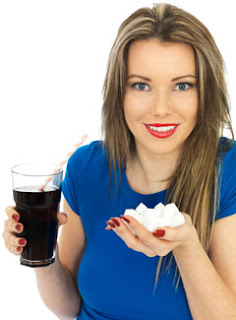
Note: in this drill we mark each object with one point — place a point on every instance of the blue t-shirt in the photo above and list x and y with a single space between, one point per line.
114 281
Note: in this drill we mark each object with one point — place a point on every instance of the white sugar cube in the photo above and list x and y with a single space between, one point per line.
150 221
175 217
171 209
160 216
141 208
159 207
178 220
159 210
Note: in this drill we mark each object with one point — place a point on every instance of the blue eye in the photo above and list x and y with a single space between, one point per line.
183 86
140 86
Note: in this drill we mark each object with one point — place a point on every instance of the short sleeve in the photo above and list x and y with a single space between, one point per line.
82 168
227 184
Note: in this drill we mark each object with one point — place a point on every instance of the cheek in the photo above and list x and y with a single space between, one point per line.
134 108
189 109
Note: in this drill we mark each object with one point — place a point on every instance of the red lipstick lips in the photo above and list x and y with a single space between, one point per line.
161 124
161 130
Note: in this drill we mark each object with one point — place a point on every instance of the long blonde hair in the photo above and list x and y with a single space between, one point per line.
193 186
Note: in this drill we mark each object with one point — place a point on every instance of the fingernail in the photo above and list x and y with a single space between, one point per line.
116 221
19 249
22 242
124 218
15 217
159 233
111 224
18 227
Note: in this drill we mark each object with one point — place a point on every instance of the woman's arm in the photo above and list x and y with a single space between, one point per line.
57 283
210 283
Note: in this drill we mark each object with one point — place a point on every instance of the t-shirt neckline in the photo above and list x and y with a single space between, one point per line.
160 194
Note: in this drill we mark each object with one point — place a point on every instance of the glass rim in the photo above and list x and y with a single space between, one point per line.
13 169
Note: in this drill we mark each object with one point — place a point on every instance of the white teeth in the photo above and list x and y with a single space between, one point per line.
162 129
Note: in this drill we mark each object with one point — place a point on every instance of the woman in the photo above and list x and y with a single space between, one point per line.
165 108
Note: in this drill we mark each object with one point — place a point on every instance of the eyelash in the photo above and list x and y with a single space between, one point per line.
133 85
190 85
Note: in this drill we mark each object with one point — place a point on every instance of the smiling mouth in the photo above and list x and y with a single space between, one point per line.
161 130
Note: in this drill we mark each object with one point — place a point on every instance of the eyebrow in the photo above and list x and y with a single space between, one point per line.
174 79
138 76
185 76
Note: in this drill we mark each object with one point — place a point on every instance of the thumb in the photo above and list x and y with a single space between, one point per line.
62 218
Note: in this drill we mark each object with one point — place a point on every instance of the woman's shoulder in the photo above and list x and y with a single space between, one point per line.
92 147
88 154
227 177
227 152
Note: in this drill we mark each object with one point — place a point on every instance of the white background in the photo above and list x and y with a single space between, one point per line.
53 57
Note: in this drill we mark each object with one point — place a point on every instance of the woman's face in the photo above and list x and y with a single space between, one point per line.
161 97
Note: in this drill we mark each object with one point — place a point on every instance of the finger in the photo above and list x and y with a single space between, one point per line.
15 250
178 234
13 226
62 218
144 235
12 213
108 227
159 246
132 241
13 240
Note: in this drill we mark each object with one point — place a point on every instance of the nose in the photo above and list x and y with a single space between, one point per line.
161 104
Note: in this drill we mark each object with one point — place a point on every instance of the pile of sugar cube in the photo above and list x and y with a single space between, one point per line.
159 216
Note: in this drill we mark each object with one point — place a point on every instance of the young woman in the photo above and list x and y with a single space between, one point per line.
165 108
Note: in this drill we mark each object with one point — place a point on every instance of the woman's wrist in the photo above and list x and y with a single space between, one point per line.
187 247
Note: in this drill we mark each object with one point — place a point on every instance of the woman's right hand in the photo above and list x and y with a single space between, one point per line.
12 229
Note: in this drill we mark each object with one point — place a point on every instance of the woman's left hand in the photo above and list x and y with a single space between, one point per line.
160 242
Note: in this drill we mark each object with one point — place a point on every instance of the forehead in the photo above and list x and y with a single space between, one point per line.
153 56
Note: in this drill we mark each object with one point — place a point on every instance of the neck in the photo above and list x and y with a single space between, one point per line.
150 173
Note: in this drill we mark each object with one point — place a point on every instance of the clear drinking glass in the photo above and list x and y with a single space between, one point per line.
37 193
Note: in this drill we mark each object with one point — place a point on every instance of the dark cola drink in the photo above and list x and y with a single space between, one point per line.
38 213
